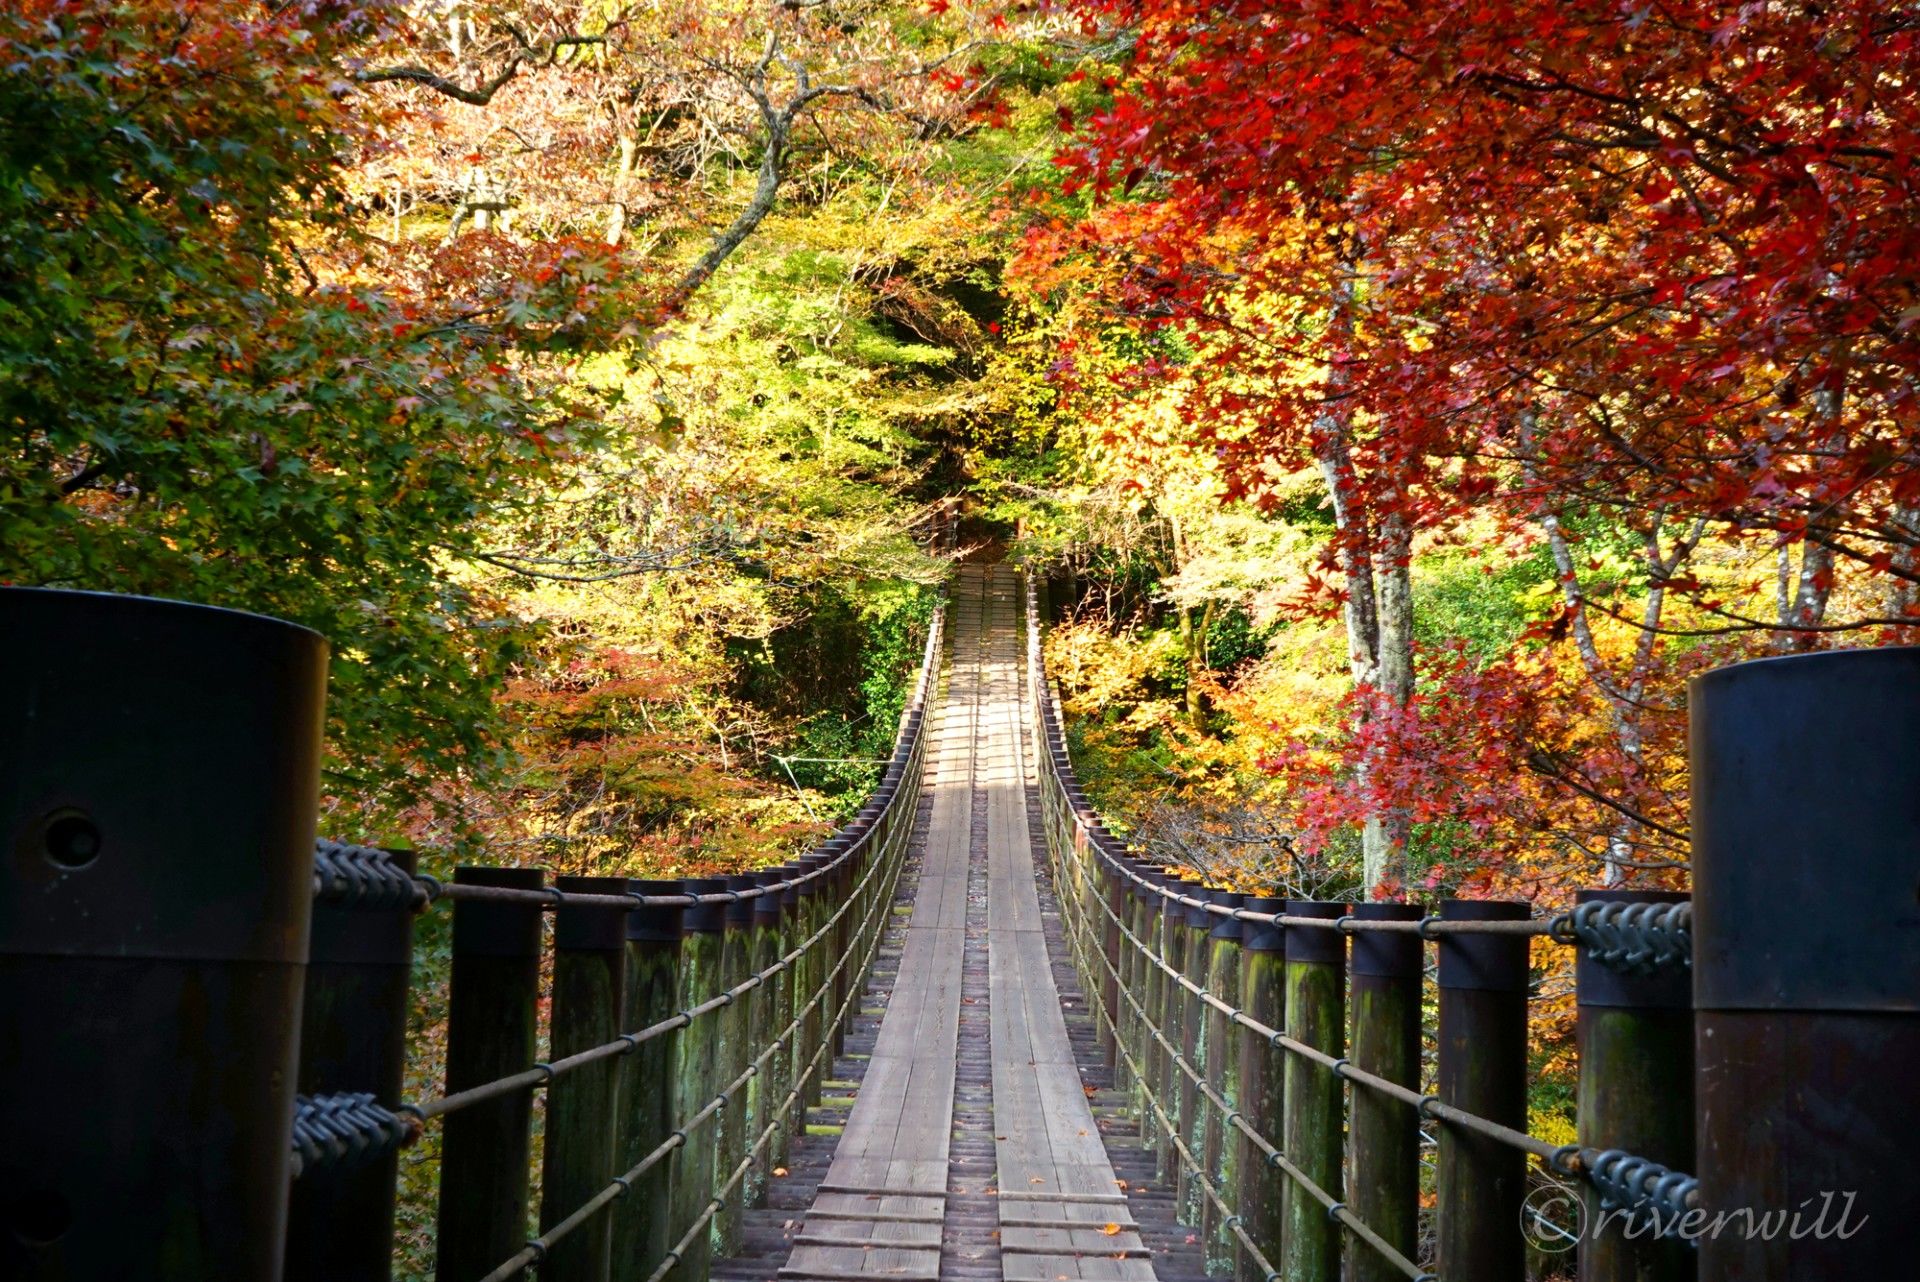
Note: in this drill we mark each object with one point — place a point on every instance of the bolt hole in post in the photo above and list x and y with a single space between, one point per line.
70 839
39 1218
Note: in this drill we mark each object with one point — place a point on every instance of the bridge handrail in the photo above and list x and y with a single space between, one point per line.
1636 939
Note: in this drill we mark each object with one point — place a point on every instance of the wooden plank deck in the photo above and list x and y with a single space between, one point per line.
883 1208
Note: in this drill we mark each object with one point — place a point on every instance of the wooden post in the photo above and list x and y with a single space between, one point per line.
589 988
485 1149
352 1038
733 1054
1133 979
780 1079
764 1023
643 1220
1147 905
1196 924
1105 883
1143 914
1313 1130
838 942
1483 1070
1174 1025
697 1074
1263 1077
813 969
1383 1135
1636 1093
1220 1052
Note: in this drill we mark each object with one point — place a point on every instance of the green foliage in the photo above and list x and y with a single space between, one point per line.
1486 604
191 415
843 673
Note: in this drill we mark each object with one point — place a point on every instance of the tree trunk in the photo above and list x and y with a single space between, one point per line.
622 181
1903 593
1193 638
1386 850
1815 582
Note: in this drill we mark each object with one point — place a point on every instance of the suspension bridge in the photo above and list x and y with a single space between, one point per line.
971 1035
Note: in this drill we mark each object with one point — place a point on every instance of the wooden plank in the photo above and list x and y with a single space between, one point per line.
1053 1169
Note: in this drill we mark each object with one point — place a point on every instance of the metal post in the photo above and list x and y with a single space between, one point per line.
1806 894
731 1061
1263 995
1383 1135
485 1148
1313 1130
1220 1052
696 1073
589 979
159 768
1483 1070
353 1032
643 1220
1635 1035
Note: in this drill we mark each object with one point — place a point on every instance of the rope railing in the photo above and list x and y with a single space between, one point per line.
166 923
544 1073
791 1000
1634 942
538 1248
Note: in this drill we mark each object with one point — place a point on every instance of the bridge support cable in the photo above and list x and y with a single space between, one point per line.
1479 1106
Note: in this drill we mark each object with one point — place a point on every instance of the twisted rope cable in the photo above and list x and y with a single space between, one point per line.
343 1131
362 877
1634 939
1648 1194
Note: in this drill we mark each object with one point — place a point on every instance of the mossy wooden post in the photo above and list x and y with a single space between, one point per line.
1221 1150
1147 903
1172 1007
1195 924
1483 1070
1143 914
786 983
814 911
1383 1135
1313 1131
697 1073
1107 885
764 1022
731 1061
485 1149
1635 1035
1263 1078
352 1038
838 942
1133 982
589 983
643 1219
